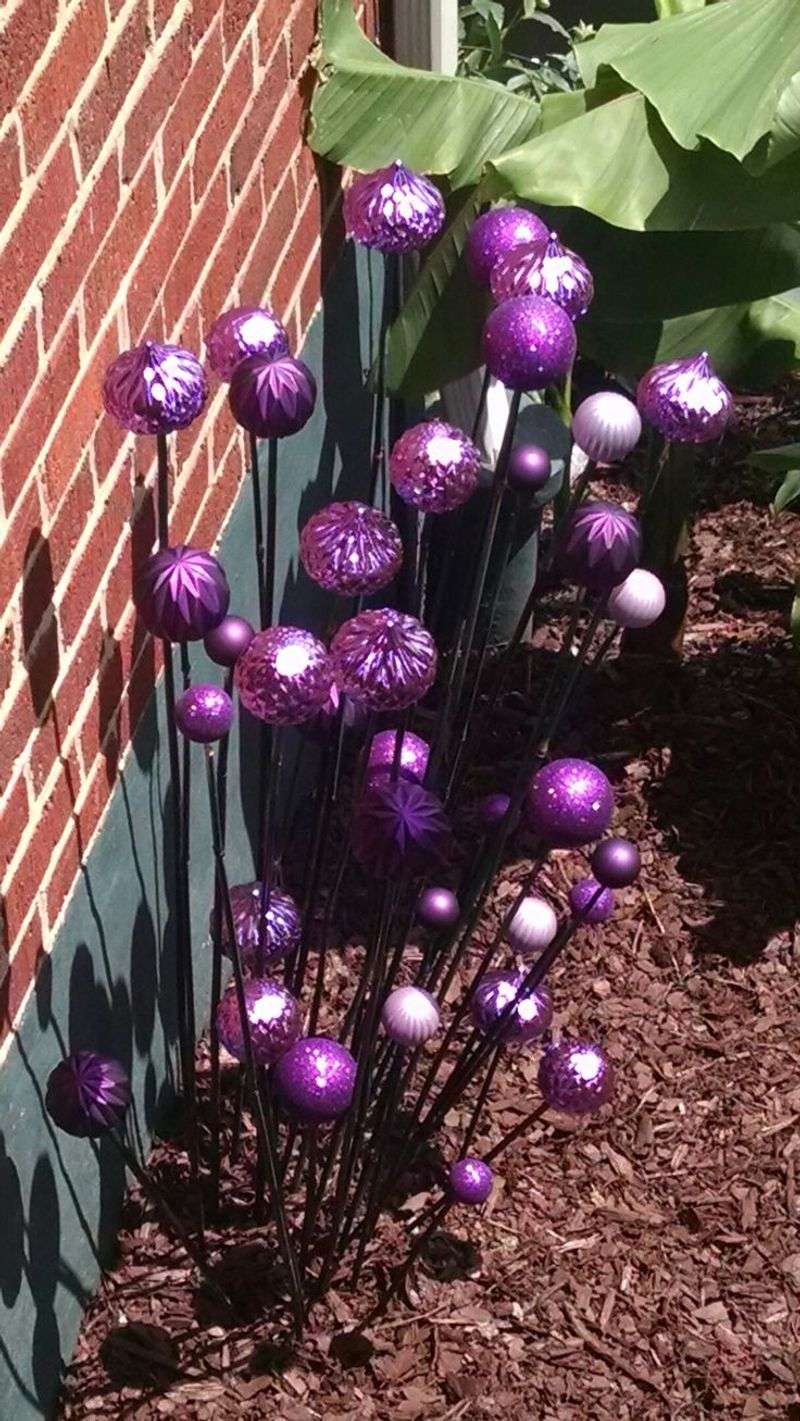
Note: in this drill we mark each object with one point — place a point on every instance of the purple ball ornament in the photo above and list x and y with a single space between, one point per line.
601 546
393 209
226 642
155 389
581 895
530 1017
414 753
399 827
282 925
492 809
529 343
384 659
438 908
616 863
285 676
569 802
528 468
410 1016
606 426
434 467
496 233
87 1094
351 549
533 926
181 593
244 331
685 400
575 1077
315 1079
204 713
638 601
470 1180
273 1015
272 398
545 269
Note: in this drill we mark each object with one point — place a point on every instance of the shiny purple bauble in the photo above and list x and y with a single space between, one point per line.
685 400
226 642
438 908
351 549
414 752
399 827
273 1015
529 343
384 659
285 676
545 269
393 209
272 398
181 593
606 426
244 331
638 601
569 802
434 467
601 546
494 234
204 713
528 1019
155 389
87 1094
528 468
589 892
470 1180
282 924
410 1016
315 1079
575 1077
616 863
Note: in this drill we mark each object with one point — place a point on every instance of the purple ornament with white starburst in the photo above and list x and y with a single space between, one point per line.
497 232
393 209
273 1016
155 389
351 548
244 331
685 400
384 659
545 269
529 343
399 827
87 1094
281 919
434 467
590 901
470 1180
575 1077
272 399
204 713
530 1014
315 1080
285 676
181 593
413 760
600 547
606 426
569 802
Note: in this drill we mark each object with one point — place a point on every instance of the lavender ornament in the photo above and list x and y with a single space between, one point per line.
528 1019
590 901
434 467
351 549
492 810
545 269
393 209
616 863
282 924
410 1016
244 331
528 468
155 389
470 1181
529 343
384 659
638 601
576 1077
204 713
438 908
273 1016
285 676
685 401
414 752
315 1080
225 643
494 234
399 827
606 426
87 1094
569 802
601 546
533 926
272 398
181 593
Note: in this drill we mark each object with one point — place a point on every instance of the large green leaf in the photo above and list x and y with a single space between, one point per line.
776 461
665 8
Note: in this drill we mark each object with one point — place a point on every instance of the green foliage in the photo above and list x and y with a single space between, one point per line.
497 42
783 460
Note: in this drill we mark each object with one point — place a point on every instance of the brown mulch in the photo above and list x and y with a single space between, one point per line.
645 1264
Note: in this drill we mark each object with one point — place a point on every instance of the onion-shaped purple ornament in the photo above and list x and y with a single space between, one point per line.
384 659
273 1015
545 269
315 1079
282 924
351 548
590 901
528 1019
399 827
243 331
576 1077
181 593
616 863
601 546
285 676
272 398
410 1016
226 642
393 209
638 601
685 400
414 752
438 907
470 1180
204 713
434 467
155 389
533 926
496 233
529 343
87 1094
569 802
528 468
606 426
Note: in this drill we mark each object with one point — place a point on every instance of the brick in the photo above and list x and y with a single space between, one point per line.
232 102
288 134
10 172
204 13
75 596
13 822
230 256
155 102
73 515
17 374
28 955
266 100
207 223
302 35
47 398
46 107
114 82
270 23
129 231
193 102
38 226
22 40
94 220
18 544
162 12
151 270
257 272
235 15
76 426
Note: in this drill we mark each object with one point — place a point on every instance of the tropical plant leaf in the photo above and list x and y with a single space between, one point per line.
665 8
794 618
778 460
788 493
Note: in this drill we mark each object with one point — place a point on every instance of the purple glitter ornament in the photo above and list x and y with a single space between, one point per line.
606 426
272 398
497 232
399 827
470 1180
569 802
273 1015
434 467
581 895
87 1094
285 676
351 548
226 642
685 401
181 593
393 209
155 389
638 601
529 343
384 659
204 713
414 753
576 1077
545 269
601 545
616 863
315 1079
438 908
410 1016
529 1018
246 330
528 468
533 926
282 925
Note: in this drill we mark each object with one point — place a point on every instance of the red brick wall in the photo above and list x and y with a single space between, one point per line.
152 172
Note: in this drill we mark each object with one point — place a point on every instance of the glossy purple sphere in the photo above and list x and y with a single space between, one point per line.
181 593
601 546
438 908
434 467
204 713
284 677
226 642
606 426
616 863
492 810
569 802
393 209
414 752
529 343
315 1080
155 389
282 924
495 233
384 659
410 1016
528 1019
545 269
351 548
528 468
576 1077
87 1094
273 1015
685 400
272 398
470 1180
244 331
589 891
399 827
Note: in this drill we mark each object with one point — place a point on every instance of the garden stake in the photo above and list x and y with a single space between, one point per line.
469 1133
514 1134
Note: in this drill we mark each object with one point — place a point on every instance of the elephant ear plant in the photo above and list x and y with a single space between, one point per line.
785 460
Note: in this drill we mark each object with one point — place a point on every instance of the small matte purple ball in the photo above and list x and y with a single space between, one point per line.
492 809
315 1079
587 891
273 1016
470 1180
576 1077
226 642
529 343
528 468
204 713
569 802
616 863
438 908
497 232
